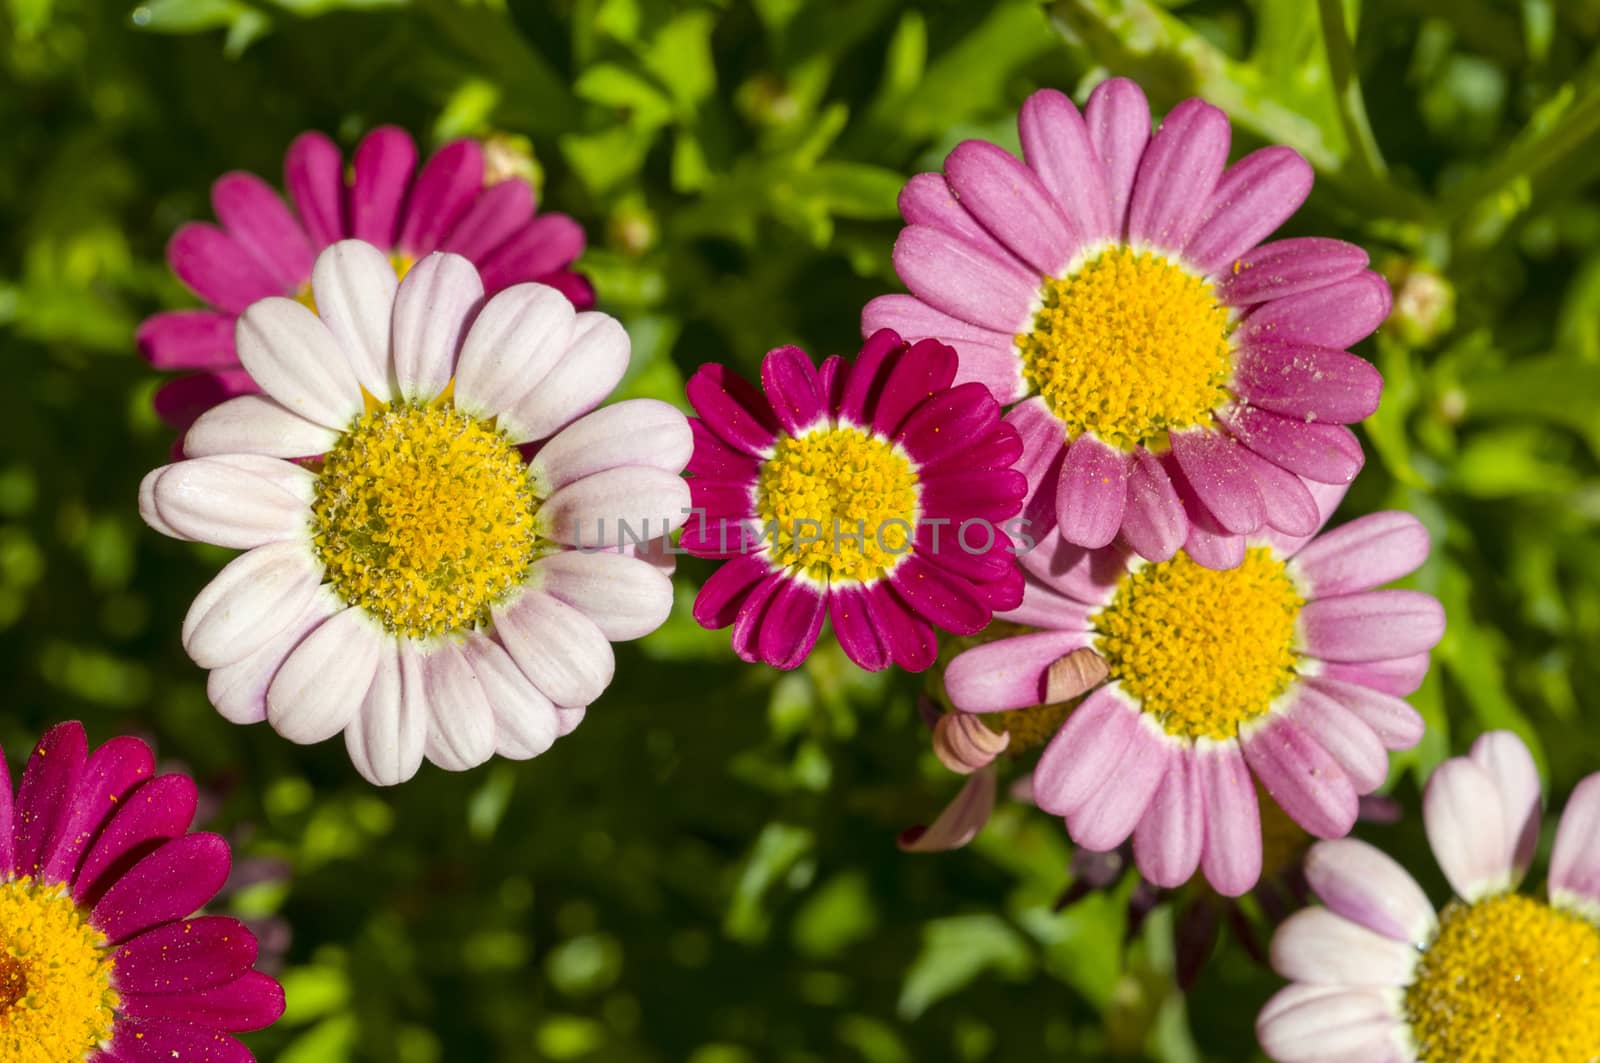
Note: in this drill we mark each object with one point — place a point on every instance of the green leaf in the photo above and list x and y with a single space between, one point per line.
957 950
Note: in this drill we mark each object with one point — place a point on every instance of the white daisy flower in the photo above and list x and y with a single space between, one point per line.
411 576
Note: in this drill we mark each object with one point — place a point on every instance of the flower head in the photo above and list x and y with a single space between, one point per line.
264 247
418 584
1175 378
99 959
1497 975
872 493
1290 667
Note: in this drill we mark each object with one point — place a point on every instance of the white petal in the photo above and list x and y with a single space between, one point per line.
239 691
387 737
633 501
557 647
1316 946
319 689
520 335
431 312
1516 779
219 503
1466 827
1317 1024
633 432
147 504
580 381
625 597
298 480
256 424
1365 885
461 729
295 359
568 719
255 596
526 723
1575 860
353 284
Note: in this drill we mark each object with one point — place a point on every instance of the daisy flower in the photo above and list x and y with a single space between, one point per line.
1289 667
99 958
419 586
1497 975
874 494
265 247
1174 376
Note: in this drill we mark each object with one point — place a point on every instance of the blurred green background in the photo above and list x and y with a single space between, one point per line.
706 870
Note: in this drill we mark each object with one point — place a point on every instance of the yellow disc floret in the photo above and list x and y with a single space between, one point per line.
1127 347
424 517
56 1000
1203 651
838 503
1508 980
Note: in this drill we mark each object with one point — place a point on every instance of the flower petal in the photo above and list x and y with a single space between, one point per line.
187 339
354 286
194 954
1092 492
256 217
1311 1024
1118 120
253 598
542 246
217 268
560 650
443 191
1365 553
625 597
1366 886
1301 776
1179 170
1011 203
1397 725
214 501
313 171
159 810
1353 745
1255 195
1086 751
461 725
1232 856
580 380
1170 836
432 309
1467 828
238 691
324 680
1287 267
526 722
519 337
1310 383
1009 673
296 360
1318 947
605 506
255 424
960 821
1337 315
1327 453
1575 860
1214 468
1111 813
383 164
387 738
1371 625
252 1001
1516 779
1055 143
170 883
1154 522
958 277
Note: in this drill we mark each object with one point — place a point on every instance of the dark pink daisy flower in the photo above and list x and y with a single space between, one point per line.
263 246
1175 379
99 958
877 494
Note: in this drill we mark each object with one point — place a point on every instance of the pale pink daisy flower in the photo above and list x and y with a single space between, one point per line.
1175 378
1496 976
1287 668
418 586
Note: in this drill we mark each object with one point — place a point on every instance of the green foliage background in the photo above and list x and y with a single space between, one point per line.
706 870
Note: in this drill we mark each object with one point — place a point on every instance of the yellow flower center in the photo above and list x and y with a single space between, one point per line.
1508 980
1203 651
1127 347
401 262
424 517
839 503
56 1000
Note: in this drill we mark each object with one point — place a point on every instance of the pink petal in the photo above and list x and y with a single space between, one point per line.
790 380
960 821
1371 625
1010 202
1232 856
1154 523
187 339
1365 553
256 217
217 268
1009 673
1337 315
1118 121
1170 836
1214 468
1366 886
1302 777
1575 860
1056 145
45 798
1353 745
960 278
489 221
1310 383
444 190
1510 765
1327 453
170 883
1092 492
1256 195
1397 725
159 810
1085 752
545 244
1287 267
314 175
1177 174
1111 813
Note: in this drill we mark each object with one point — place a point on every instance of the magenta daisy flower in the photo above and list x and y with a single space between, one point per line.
432 584
1497 975
873 493
265 247
1175 377
99 958
1288 666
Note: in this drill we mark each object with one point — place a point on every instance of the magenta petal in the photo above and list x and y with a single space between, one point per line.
954 275
1287 267
1154 523
1170 835
715 460
1010 202
1256 195
8 844
910 640
864 377
252 1001
1397 724
987 357
45 797
182 399
1179 170
944 600
973 496
1345 736
733 409
1109 816
752 610
112 770
1302 777
793 388
383 164
1398 677
548 242
791 624
997 452
1118 120
444 190
1311 383
1212 464
185 956
187 339
948 425
1371 625
1365 553
166 1040
490 220
1055 143
1085 752
255 216
575 286
313 173
1338 315
1232 856
915 375
1092 492
852 626
156 812
724 593
169 884
1327 453
1010 673
217 268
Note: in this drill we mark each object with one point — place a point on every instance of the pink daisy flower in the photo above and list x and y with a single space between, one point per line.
1497 975
874 494
264 247
420 586
1175 378
1288 666
99 958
